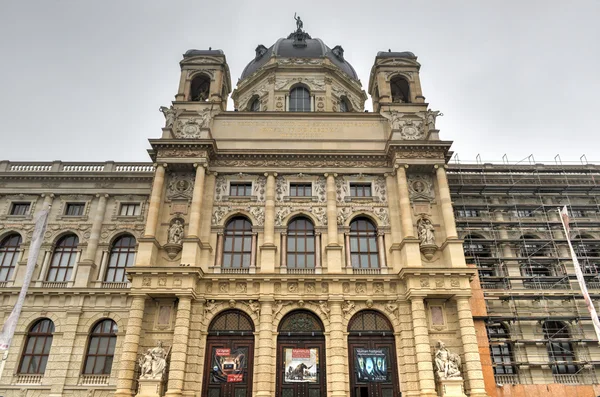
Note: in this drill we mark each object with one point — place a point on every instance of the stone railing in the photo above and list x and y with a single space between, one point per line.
3 284
54 284
106 284
507 379
366 271
24 379
300 271
59 166
571 379
235 270
96 380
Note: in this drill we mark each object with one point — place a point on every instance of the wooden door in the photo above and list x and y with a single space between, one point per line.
301 366
228 366
373 367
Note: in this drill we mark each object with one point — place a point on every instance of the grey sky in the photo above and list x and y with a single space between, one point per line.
83 80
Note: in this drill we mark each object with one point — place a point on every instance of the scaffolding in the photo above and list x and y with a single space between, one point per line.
507 214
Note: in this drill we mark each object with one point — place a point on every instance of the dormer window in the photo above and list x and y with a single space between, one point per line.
300 100
400 90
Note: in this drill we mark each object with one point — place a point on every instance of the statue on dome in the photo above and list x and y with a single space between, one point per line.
299 24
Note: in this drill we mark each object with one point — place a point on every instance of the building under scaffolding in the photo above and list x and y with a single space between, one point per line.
538 326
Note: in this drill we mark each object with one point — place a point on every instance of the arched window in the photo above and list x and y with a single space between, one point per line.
363 244
560 350
63 259
122 256
231 322
474 247
9 254
37 348
254 105
301 244
101 348
299 100
400 90
300 322
369 321
532 248
200 89
237 245
344 106
501 349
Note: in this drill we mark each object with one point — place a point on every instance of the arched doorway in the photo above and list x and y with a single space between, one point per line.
228 365
372 353
301 356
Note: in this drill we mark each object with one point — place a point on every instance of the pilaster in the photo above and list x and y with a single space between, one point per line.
180 347
265 368
472 359
337 351
422 347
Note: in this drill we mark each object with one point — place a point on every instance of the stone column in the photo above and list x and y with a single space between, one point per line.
219 251
269 236
348 255
405 210
381 249
446 202
395 223
422 347
58 368
318 266
252 252
337 352
265 371
180 347
472 360
92 246
130 347
155 201
283 260
196 206
332 230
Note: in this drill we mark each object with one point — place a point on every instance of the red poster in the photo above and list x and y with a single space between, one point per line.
223 352
300 353
235 378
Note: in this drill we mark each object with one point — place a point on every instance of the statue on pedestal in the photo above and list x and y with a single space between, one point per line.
153 363
426 231
175 233
170 115
447 364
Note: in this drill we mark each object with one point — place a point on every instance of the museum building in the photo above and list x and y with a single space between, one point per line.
298 245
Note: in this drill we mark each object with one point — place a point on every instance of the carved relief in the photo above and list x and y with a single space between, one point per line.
361 288
420 186
409 128
312 83
380 189
258 188
258 213
181 185
383 215
281 214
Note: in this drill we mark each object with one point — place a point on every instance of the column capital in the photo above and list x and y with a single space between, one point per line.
99 195
442 166
332 174
397 166
164 165
267 174
203 164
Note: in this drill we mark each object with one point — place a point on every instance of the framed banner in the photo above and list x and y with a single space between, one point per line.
371 365
301 365
228 365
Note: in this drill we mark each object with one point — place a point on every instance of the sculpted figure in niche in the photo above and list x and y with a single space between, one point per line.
426 231
170 115
175 232
447 364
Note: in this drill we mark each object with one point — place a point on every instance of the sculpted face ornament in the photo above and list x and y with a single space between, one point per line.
338 51
260 51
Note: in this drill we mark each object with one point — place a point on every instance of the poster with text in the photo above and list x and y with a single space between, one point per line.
371 365
228 365
301 365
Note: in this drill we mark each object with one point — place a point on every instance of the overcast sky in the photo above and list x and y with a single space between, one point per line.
83 80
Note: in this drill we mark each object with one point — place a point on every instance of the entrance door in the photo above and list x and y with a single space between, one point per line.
372 354
229 360
301 363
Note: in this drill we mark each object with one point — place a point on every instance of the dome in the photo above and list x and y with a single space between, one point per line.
299 45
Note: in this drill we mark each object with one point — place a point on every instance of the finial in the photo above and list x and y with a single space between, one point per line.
209 48
389 50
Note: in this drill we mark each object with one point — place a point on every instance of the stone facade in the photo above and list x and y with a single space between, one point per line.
384 172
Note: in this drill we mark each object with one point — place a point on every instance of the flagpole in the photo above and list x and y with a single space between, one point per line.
9 326
586 295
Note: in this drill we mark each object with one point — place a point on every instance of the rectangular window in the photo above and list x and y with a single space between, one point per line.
360 189
300 189
467 213
523 213
20 208
577 213
130 209
74 209
240 189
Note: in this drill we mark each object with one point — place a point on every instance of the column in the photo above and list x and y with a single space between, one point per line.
347 250
48 199
180 346
422 347
405 210
58 367
219 251
130 347
283 260
270 209
337 352
155 201
92 246
332 230
265 371
318 266
196 206
446 202
253 251
381 249
395 223
472 360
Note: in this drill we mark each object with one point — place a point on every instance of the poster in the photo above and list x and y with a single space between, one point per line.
228 365
301 365
371 365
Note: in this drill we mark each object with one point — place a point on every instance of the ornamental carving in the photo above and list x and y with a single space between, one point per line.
220 188
258 213
281 188
258 189
420 187
383 215
218 214
343 214
313 83
307 162
299 61
380 189
340 92
181 153
188 129
409 128
181 185
281 214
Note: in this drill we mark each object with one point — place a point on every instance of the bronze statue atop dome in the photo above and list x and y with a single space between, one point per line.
299 23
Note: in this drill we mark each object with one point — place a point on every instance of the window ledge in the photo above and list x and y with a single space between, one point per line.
361 199
300 198
240 198
17 217
72 217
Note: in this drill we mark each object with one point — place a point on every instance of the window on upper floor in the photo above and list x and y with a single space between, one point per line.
577 213
501 350
74 209
364 253
122 256
523 213
37 348
301 189
467 213
536 270
240 189
130 209
20 208
400 90
9 254
101 348
200 88
560 350
344 105
475 248
254 105
301 244
237 243
360 189
299 100
63 259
